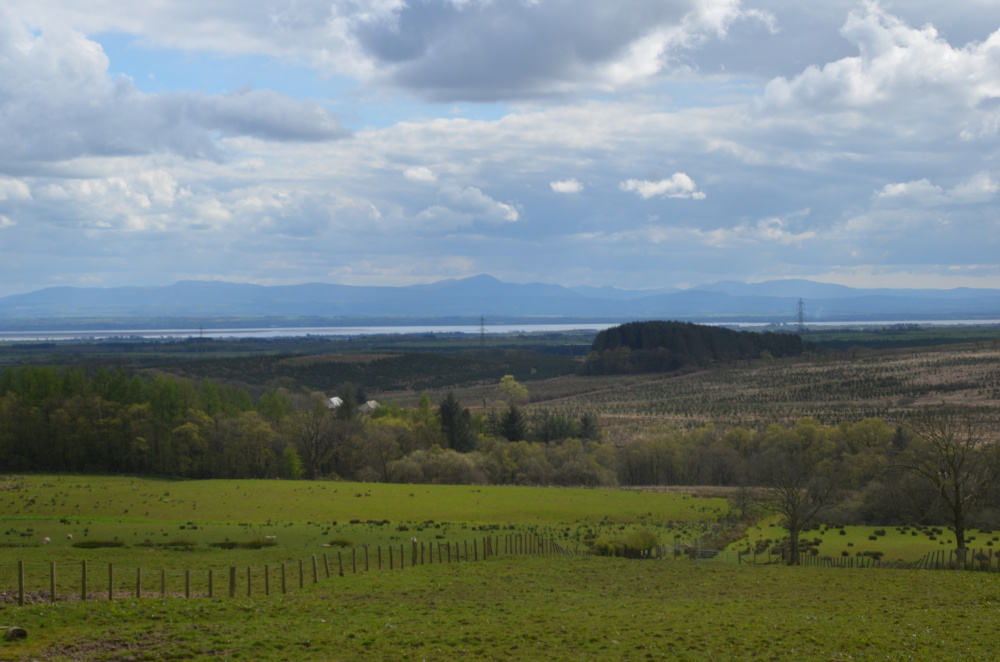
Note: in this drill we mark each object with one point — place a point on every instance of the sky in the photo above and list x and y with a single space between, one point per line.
640 144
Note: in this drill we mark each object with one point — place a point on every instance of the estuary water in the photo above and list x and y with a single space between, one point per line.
347 331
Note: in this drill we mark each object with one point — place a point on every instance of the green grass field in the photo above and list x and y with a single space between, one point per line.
896 543
550 608
545 607
170 525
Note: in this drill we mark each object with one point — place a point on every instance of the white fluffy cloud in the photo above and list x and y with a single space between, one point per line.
980 188
14 189
679 185
566 186
461 206
909 71
420 174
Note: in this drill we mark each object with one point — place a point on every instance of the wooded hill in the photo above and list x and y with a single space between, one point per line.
667 346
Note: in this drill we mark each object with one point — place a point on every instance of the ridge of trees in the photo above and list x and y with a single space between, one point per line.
658 346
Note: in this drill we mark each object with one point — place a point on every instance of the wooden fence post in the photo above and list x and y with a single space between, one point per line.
83 581
249 582
111 581
187 583
20 583
390 557
163 583
402 556
232 581
211 584
354 560
326 565
284 586
380 557
52 581
267 580
302 574
448 545
367 568
413 560
475 549
340 563
466 550
138 582
421 552
315 570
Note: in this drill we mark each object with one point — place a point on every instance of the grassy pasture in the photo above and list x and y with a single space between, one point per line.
171 524
897 543
546 608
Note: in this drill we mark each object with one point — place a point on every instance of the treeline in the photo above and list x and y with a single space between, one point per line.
942 464
658 346
115 422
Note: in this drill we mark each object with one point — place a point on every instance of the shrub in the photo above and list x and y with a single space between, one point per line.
256 543
637 544
96 544
340 542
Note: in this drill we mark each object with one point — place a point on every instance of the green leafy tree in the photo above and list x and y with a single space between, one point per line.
456 424
291 463
511 392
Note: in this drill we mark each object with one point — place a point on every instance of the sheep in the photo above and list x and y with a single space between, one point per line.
45 541
270 538
69 536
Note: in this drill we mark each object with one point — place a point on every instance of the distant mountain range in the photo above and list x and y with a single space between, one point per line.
467 299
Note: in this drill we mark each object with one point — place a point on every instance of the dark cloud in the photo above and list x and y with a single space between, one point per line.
487 51
57 103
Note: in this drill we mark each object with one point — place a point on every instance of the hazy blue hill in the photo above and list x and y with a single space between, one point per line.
485 295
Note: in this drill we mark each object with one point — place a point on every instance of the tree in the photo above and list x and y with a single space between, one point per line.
513 426
382 450
456 424
953 452
512 392
797 475
314 434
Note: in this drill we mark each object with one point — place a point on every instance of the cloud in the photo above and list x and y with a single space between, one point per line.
978 189
13 189
58 102
678 186
462 206
566 186
440 50
909 70
6 222
420 174
488 51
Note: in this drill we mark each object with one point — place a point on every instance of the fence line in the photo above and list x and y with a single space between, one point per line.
93 580
51 581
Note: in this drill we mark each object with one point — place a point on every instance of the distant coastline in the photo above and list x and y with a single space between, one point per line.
237 332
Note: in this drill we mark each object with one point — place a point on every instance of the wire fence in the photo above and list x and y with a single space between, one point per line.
32 582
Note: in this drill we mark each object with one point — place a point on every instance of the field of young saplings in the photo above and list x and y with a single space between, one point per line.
840 387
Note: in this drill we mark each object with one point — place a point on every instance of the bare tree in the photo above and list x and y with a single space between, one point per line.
953 451
792 483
